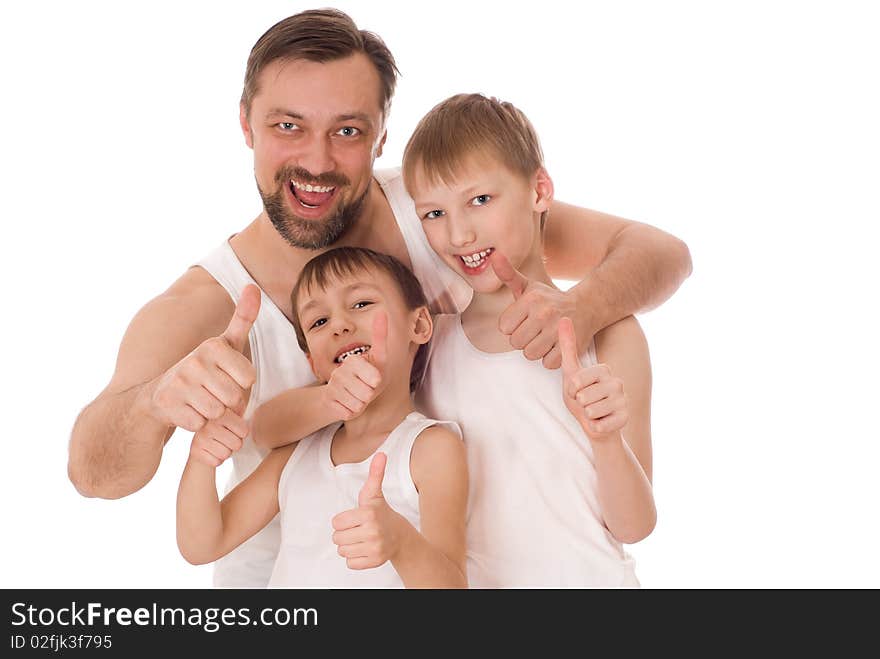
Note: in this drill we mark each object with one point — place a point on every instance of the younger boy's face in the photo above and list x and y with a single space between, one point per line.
338 322
488 208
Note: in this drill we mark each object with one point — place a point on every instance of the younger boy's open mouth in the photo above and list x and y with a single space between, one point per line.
349 351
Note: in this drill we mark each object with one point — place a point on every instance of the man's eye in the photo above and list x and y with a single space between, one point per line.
318 323
480 200
433 215
362 304
287 126
349 131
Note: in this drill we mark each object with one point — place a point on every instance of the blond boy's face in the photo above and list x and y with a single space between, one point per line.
488 208
339 322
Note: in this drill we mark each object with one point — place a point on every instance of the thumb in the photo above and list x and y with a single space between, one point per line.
246 311
568 346
372 489
379 346
510 276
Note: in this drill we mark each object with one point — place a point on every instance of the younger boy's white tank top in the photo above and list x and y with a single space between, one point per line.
534 519
312 491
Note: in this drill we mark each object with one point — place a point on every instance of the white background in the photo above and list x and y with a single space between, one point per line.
748 129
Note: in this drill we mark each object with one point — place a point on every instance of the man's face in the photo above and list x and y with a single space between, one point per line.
316 129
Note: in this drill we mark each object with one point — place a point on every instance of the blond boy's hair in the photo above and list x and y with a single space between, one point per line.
468 125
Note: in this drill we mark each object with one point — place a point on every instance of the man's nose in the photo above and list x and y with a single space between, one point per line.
317 155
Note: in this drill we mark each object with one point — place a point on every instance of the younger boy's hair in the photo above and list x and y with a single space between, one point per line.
347 261
466 125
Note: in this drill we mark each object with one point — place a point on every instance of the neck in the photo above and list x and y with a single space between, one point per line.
384 414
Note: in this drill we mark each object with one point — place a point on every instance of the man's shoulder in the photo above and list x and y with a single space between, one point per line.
197 297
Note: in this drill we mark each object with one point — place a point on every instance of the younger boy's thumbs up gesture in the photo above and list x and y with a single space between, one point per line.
593 395
369 535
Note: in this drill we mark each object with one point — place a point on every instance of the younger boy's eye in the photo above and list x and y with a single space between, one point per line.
433 215
362 304
480 200
318 323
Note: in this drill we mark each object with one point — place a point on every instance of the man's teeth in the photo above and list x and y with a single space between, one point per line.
475 260
311 188
357 351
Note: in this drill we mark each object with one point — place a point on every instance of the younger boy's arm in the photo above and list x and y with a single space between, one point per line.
208 528
374 533
617 424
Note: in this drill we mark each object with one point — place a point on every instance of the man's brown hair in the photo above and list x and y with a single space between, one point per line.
319 35
469 125
348 261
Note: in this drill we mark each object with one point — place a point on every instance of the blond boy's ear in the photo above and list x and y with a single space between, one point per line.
543 187
423 326
245 126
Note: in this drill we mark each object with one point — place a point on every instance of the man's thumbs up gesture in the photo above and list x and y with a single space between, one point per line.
531 321
593 395
369 535
211 382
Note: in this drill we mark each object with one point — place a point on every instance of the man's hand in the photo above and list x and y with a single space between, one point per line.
369 535
358 380
532 320
593 396
211 380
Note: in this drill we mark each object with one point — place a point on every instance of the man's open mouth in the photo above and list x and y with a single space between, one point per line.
310 195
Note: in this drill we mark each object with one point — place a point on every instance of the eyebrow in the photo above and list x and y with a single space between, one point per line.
353 287
347 116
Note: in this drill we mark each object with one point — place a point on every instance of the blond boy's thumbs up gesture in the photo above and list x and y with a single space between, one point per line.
593 395
369 535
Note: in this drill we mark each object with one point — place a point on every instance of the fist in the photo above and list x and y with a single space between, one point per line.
218 439
213 378
593 395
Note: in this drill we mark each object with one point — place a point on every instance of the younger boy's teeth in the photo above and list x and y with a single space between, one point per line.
475 260
360 350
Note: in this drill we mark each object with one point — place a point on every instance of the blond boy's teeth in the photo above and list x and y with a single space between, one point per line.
360 350
311 188
475 260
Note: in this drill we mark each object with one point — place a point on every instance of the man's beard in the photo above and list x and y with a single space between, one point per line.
310 234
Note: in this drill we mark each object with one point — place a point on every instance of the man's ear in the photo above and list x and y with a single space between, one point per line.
543 187
245 126
381 144
423 326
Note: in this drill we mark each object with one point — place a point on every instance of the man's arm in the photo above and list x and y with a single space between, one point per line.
175 367
623 267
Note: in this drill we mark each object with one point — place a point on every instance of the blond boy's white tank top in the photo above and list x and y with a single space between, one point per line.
280 364
312 491
534 518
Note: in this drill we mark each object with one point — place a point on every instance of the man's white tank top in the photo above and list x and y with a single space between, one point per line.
534 518
312 491
281 365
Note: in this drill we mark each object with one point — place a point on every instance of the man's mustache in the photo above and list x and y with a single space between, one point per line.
328 179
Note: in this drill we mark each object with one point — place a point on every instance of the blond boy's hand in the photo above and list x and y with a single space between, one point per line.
218 439
593 395
356 382
370 534
532 320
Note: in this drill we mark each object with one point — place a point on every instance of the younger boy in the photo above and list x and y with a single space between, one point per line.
376 501
560 462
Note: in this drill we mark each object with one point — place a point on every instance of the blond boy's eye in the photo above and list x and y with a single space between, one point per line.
349 131
433 215
480 200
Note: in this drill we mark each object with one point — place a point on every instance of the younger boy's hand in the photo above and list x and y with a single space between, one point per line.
218 439
356 382
370 534
593 395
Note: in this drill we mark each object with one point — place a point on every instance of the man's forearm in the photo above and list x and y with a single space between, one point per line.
643 268
115 446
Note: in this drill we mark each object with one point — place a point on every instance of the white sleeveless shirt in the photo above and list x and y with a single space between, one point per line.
313 490
534 518
281 365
